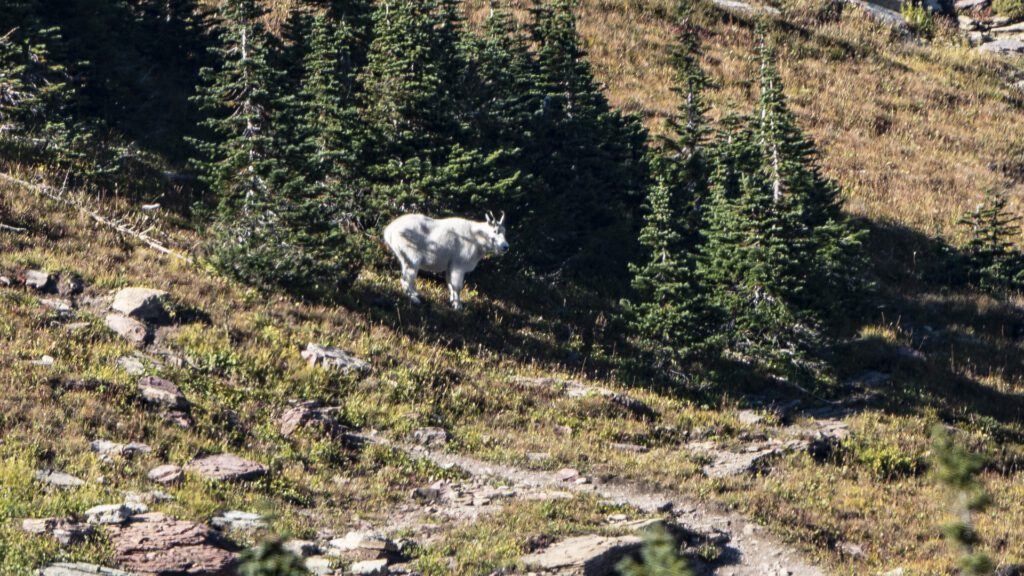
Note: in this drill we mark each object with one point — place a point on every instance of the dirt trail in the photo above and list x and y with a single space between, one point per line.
751 551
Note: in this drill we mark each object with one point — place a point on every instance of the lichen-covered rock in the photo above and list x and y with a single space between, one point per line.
430 436
238 520
334 359
226 468
158 544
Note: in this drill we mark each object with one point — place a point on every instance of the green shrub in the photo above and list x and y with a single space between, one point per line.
659 557
1009 8
919 19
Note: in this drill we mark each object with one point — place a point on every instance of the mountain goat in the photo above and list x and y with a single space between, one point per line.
453 246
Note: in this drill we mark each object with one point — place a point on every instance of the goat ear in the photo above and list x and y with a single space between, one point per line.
502 221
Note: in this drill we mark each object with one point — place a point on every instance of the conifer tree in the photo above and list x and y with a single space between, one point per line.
34 87
272 228
672 312
270 558
957 469
424 156
995 263
658 557
588 158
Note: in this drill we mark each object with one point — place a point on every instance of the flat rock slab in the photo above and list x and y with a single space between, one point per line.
158 544
141 303
128 328
743 8
166 474
1004 46
58 479
163 392
64 530
430 436
238 520
226 468
334 359
583 555
753 458
370 567
80 569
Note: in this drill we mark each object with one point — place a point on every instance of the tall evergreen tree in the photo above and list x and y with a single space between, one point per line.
35 90
272 228
424 157
779 252
672 312
588 159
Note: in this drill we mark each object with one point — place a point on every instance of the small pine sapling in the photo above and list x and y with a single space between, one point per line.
957 468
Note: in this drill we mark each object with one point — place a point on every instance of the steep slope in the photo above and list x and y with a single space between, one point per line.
914 132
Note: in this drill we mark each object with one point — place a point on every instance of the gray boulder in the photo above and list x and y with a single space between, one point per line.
38 280
162 392
334 359
128 328
590 555
58 479
141 303
226 468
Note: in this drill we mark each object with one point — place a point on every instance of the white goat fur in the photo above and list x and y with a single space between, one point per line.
453 246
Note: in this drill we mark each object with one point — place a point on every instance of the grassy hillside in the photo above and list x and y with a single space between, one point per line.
914 132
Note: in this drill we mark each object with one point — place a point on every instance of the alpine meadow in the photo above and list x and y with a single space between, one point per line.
496 287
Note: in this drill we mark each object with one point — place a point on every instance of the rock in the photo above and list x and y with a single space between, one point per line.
334 359
431 436
140 303
896 572
166 474
749 418
177 418
6 282
590 554
226 468
576 389
238 520
319 565
61 307
880 14
303 548
850 549
567 475
744 9
970 5
108 448
310 414
1011 570
109 514
1010 31
69 285
1003 46
131 365
159 391
58 479
38 280
370 567
158 544
128 328
753 458
363 541
79 569
64 530
44 360
625 447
